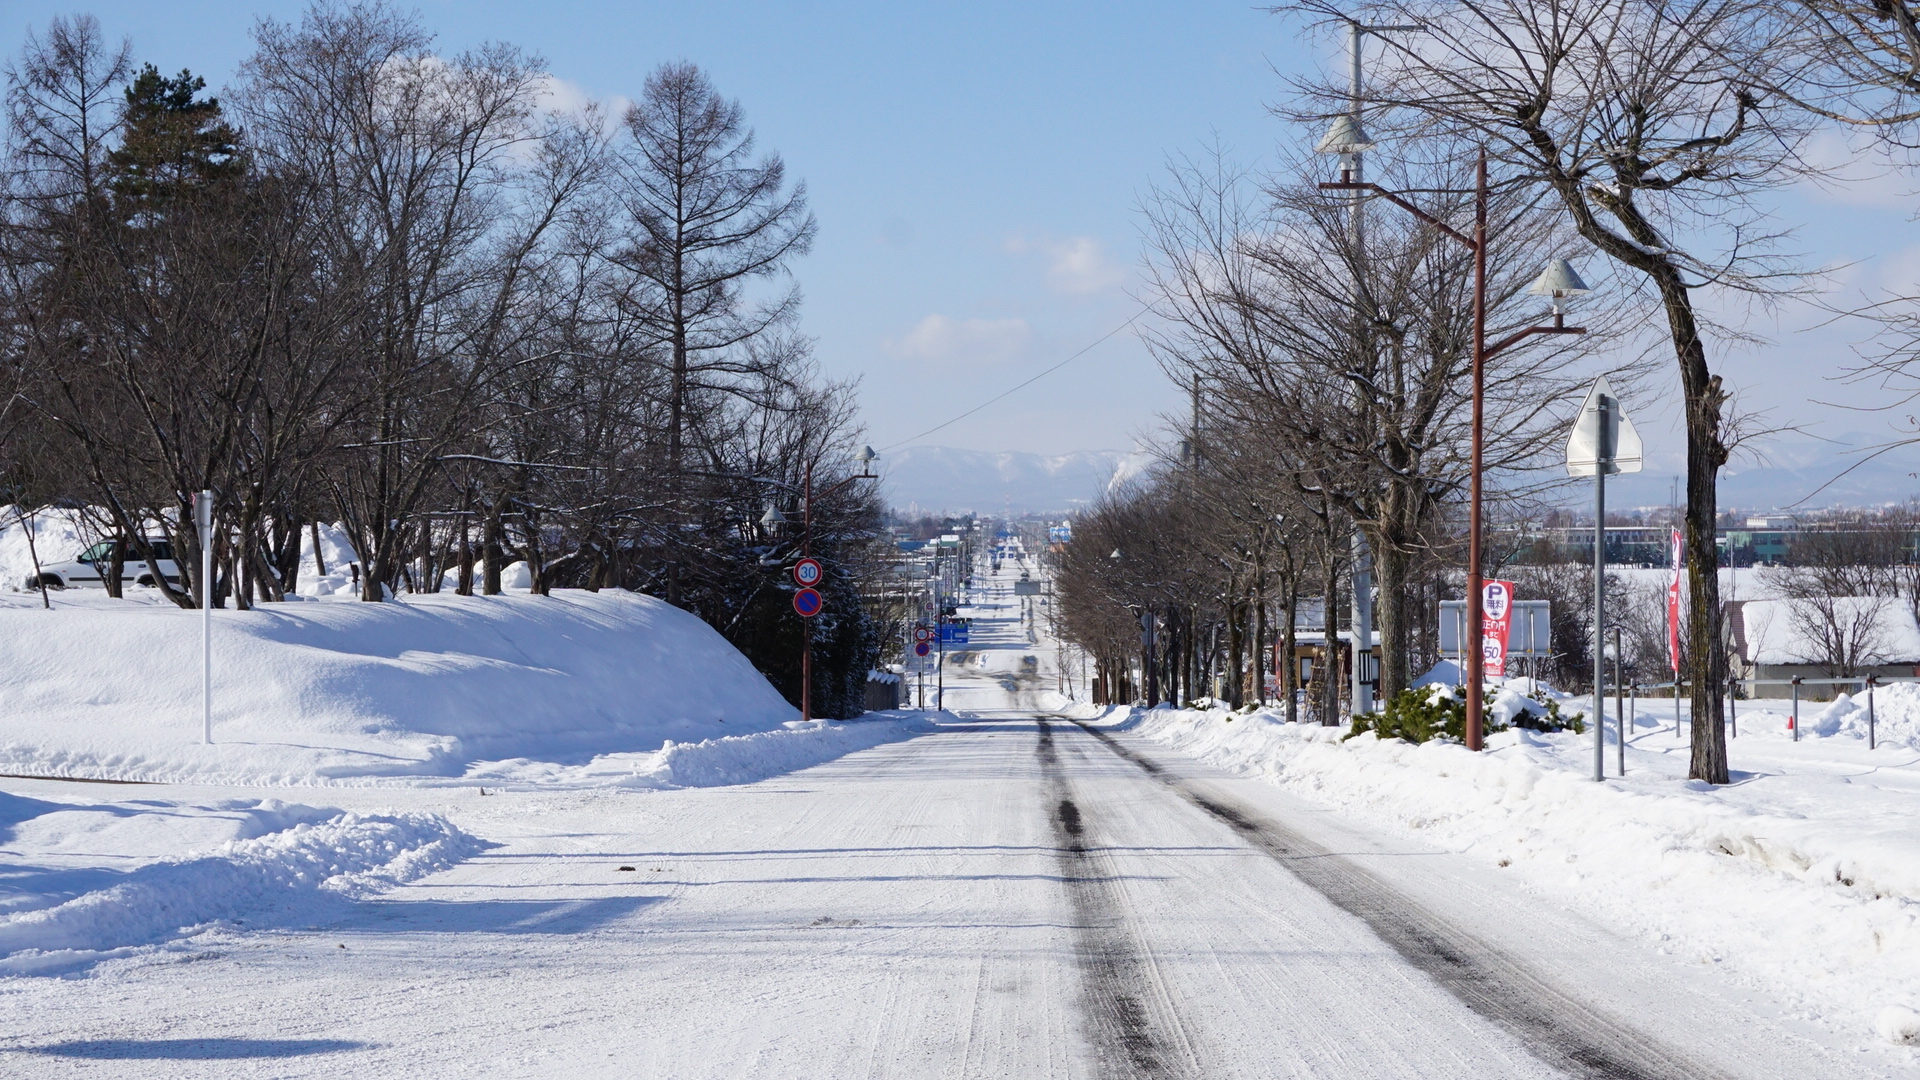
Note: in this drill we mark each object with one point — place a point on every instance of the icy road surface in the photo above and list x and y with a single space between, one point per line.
1007 896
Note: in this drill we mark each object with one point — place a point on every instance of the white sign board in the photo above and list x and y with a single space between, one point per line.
1529 629
1602 432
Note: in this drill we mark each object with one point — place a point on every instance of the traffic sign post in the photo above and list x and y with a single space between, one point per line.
808 603
1602 441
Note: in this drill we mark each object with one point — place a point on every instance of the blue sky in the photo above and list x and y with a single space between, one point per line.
977 171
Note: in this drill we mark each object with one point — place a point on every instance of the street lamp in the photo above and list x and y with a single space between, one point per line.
1558 281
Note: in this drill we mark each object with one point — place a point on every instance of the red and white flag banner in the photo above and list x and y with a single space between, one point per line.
1673 608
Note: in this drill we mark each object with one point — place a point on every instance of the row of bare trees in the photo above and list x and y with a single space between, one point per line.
381 285
1646 134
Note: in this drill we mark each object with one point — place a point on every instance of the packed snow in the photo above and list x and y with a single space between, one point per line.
90 881
1801 878
315 692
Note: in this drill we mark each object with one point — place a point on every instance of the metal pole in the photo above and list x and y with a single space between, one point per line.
1795 723
1733 708
1361 692
1476 660
203 521
1603 458
1619 700
1872 681
806 625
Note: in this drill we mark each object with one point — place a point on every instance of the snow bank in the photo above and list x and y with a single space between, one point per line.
1804 877
332 691
1896 716
290 876
58 535
735 759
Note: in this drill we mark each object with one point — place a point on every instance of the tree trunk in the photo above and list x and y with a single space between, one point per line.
1393 614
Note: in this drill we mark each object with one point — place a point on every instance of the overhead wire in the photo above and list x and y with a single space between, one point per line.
1134 318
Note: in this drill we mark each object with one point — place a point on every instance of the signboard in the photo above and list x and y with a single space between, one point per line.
1497 610
953 633
807 573
921 648
1602 436
808 603
1026 588
1060 534
1529 628
922 633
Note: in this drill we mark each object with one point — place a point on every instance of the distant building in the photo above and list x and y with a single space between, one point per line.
1847 635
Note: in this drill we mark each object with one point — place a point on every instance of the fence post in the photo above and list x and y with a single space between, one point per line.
1733 709
1872 681
1795 722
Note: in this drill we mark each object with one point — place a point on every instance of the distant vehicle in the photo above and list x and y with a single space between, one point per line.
91 568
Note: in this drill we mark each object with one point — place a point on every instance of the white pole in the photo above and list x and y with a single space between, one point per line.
203 519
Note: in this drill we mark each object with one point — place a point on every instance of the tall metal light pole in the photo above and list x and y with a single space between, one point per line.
1346 130
1351 142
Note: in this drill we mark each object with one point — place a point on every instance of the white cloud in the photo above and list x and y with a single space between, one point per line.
937 337
1076 265
565 97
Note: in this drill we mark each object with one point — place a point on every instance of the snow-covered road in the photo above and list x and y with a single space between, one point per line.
1009 894
1003 897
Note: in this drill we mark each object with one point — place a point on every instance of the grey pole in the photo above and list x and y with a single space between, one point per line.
203 521
1872 681
1603 459
1796 708
1619 700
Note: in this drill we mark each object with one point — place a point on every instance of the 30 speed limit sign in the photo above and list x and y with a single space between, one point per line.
922 633
807 572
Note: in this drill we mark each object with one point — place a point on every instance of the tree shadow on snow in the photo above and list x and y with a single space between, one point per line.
192 1049
493 916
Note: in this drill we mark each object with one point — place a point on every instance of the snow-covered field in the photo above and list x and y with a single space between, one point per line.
1800 880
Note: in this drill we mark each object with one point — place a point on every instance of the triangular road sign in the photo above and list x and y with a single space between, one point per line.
1589 442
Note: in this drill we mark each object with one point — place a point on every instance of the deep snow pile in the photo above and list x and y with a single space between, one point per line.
58 535
307 692
87 882
1803 876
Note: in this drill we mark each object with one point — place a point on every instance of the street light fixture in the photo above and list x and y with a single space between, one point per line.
1558 281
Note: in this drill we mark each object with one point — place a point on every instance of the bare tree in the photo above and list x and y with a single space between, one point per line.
709 221
1647 124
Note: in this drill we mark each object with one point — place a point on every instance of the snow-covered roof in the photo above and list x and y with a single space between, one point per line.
1788 631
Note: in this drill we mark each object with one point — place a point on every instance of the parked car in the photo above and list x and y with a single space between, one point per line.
92 567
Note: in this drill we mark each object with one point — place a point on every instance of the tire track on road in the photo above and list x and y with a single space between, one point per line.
1559 1030
1129 1028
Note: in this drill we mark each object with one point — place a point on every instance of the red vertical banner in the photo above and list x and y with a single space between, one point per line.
1673 608
1496 607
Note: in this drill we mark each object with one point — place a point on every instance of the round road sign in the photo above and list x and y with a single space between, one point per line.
921 648
808 603
923 633
807 572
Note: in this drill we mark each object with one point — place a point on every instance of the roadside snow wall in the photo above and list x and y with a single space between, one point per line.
319 691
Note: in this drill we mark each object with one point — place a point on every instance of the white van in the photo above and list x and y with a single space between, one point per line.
91 568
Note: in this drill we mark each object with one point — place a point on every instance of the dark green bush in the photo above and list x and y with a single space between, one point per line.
1417 715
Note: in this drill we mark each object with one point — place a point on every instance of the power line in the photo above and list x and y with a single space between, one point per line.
1135 317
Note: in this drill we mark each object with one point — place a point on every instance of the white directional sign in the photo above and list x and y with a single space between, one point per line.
1602 432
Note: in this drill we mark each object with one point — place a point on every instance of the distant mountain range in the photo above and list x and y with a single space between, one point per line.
941 479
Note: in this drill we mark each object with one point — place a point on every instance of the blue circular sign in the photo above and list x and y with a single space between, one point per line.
921 648
808 603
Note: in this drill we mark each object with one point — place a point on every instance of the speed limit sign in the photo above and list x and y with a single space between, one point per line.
922 633
807 573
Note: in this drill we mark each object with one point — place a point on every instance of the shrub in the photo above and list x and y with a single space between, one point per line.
1417 715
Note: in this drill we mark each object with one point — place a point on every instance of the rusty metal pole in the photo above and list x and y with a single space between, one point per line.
1476 657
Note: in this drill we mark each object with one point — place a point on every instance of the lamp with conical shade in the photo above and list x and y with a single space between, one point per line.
1345 136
